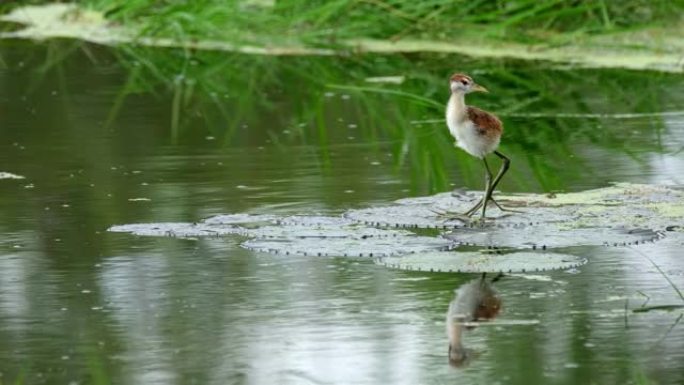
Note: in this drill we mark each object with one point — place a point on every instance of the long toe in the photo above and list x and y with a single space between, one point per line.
503 208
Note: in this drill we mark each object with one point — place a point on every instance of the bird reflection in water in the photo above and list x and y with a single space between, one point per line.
474 301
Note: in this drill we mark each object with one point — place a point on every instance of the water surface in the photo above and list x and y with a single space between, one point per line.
99 147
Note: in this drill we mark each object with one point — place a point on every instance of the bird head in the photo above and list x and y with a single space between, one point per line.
464 84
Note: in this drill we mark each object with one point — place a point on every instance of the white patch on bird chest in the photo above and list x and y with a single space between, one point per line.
464 131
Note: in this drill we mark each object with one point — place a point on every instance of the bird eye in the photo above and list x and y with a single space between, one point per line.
464 82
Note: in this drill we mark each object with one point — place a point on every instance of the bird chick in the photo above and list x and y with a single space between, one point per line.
477 132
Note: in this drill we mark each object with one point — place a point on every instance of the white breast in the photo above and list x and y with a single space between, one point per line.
465 132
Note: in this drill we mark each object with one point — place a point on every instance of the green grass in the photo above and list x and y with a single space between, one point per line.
323 22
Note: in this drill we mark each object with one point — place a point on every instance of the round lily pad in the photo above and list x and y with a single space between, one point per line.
348 247
355 231
404 216
482 262
177 229
550 235
618 194
314 220
240 219
629 205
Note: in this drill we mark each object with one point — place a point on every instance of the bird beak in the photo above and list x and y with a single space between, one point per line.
477 87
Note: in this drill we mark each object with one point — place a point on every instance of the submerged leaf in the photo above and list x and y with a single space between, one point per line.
482 262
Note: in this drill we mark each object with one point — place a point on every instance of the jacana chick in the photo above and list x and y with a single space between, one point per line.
477 132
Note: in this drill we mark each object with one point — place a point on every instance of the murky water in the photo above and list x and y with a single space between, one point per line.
81 305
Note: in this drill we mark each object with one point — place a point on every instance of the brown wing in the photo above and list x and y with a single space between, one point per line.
486 123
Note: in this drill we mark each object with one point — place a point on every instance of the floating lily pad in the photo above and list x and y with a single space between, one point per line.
442 214
550 235
314 220
482 262
348 247
240 219
355 231
405 216
629 205
618 194
177 229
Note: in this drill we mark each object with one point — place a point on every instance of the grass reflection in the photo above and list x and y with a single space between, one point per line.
242 100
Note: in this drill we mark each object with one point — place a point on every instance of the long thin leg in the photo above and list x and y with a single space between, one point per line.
491 186
504 167
488 183
488 190
502 171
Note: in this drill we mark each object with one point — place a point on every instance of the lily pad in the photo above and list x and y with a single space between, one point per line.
482 262
618 194
314 220
551 235
348 247
177 229
240 219
354 231
405 216
624 204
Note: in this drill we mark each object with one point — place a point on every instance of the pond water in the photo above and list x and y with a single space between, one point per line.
102 139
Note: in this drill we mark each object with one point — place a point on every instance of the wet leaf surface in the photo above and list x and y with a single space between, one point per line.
348 247
352 231
631 206
586 218
177 229
482 262
240 219
551 235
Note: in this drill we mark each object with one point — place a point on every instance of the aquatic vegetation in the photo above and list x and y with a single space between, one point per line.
273 32
348 231
626 210
550 235
240 219
483 261
348 247
177 229
546 224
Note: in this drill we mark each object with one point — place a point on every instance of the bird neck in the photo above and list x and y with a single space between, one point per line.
457 105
